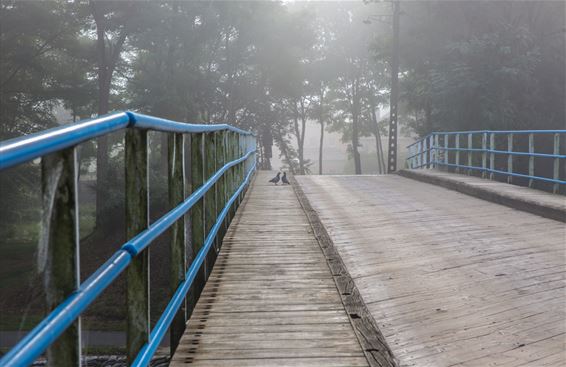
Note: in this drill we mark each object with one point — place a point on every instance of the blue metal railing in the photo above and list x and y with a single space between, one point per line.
29 147
435 149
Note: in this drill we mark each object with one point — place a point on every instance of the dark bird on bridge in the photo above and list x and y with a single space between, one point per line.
284 179
275 179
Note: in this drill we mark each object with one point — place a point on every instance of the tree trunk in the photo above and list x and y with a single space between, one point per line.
102 154
106 66
355 139
300 136
321 121
378 147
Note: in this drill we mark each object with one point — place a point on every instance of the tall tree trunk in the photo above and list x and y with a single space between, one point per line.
102 153
107 59
321 121
303 130
299 135
378 146
355 137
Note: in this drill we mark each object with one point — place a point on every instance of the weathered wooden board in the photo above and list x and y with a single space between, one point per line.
270 299
451 280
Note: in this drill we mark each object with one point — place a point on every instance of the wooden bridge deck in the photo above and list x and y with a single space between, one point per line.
270 299
451 280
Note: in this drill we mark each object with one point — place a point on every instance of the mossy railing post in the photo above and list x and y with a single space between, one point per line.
137 220
178 266
233 183
197 211
221 185
58 251
209 196
241 165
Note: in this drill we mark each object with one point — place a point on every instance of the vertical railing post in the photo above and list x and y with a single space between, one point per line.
232 155
470 152
178 267
531 159
209 196
457 146
412 157
137 220
58 255
556 162
484 154
241 166
509 157
436 151
197 211
491 155
419 149
227 182
430 151
446 151
221 185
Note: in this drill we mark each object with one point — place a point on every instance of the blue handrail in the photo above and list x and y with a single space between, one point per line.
26 148
427 152
16 151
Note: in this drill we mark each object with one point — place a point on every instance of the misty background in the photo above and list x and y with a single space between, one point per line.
310 78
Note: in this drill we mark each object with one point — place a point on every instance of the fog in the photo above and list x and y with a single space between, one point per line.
311 79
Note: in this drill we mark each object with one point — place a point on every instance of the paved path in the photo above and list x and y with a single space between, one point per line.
270 299
451 280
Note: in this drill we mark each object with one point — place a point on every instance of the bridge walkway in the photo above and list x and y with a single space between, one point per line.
451 280
271 299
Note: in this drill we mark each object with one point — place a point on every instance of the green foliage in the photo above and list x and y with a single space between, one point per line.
479 65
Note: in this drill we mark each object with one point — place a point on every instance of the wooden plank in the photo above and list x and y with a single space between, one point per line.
451 280
270 298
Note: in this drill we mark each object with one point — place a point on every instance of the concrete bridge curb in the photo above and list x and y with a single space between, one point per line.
546 205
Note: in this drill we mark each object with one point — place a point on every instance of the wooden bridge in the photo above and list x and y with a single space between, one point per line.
433 269
450 280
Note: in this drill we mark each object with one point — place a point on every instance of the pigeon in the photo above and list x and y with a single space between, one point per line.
284 179
275 179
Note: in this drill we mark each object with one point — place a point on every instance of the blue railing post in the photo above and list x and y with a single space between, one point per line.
484 155
457 146
178 266
137 220
556 163
509 157
58 255
491 155
431 150
470 152
446 150
531 158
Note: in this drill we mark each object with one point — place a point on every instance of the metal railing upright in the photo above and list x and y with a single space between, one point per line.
443 149
223 163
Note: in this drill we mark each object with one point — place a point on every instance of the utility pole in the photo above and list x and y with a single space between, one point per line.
394 97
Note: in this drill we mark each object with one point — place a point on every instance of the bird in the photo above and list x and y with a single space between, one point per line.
275 179
284 179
